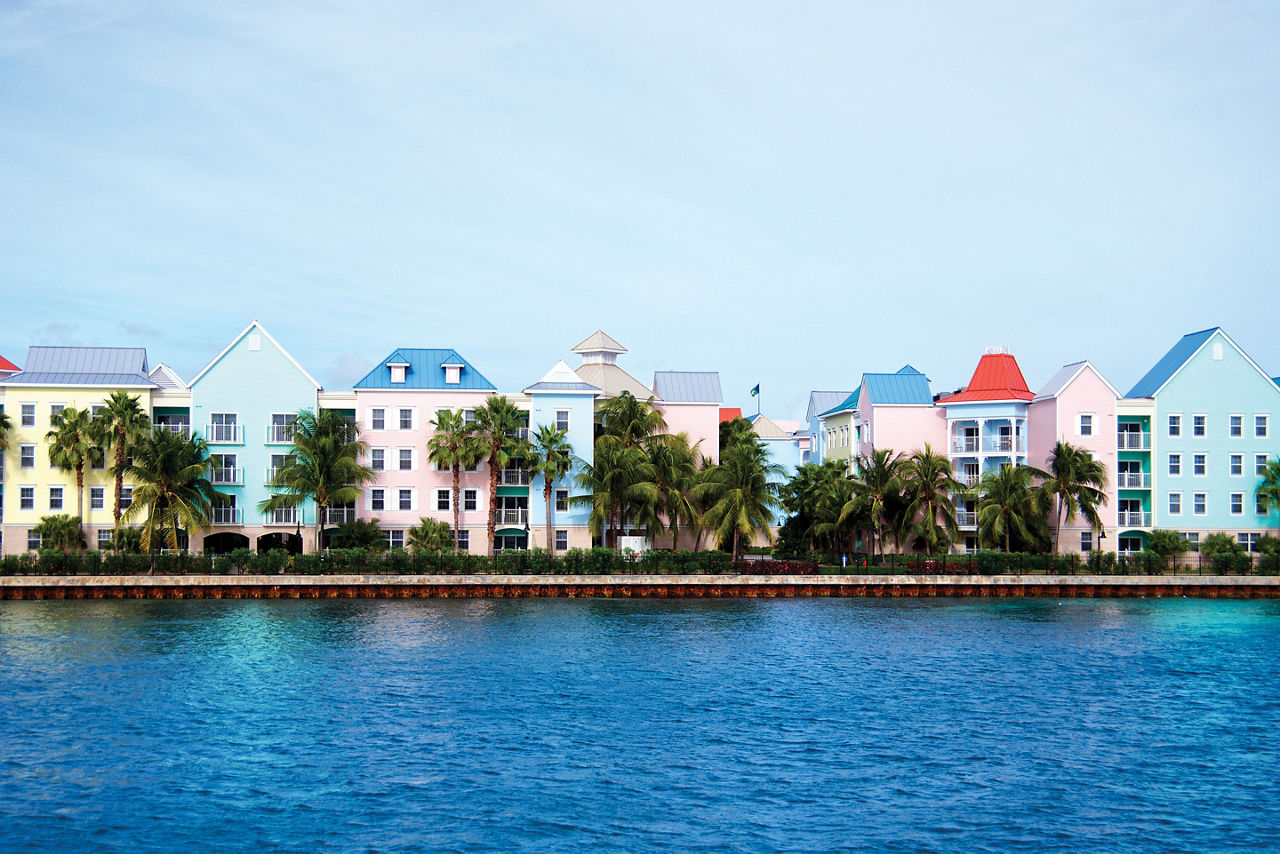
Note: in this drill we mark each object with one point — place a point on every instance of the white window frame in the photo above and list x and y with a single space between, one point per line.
126 497
1258 509
1202 429
1260 464
413 499
1199 503
1235 465
1086 541
562 540
413 417
1235 421
561 498
54 409
395 538
378 494
462 539
377 414
1261 425
26 419
1175 504
413 459
26 498
1248 539
1235 501
444 500
564 420
1175 425
97 498
1203 459
104 538
1192 539
33 541
26 461
1175 465
60 498
1081 425
470 500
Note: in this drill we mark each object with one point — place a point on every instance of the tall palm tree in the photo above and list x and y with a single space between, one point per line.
739 495
173 488
628 421
1006 505
73 442
929 485
551 456
1074 484
614 482
1268 491
496 422
323 465
876 488
675 468
455 446
123 423
5 424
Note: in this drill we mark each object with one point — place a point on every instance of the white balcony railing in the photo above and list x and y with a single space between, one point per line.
224 434
226 476
1133 519
519 433
515 477
228 516
1134 480
969 479
508 516
967 519
283 516
279 434
1004 445
269 474
339 515
1133 441
183 430
964 445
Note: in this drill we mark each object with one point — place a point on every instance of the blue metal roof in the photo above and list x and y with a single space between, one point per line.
1173 360
426 371
899 389
850 402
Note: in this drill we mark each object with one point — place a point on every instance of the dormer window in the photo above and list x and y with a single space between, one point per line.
397 371
452 374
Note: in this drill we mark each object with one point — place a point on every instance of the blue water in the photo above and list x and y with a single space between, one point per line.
570 725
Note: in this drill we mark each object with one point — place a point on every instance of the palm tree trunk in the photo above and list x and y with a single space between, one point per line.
491 525
457 508
320 508
546 499
1057 527
79 501
115 514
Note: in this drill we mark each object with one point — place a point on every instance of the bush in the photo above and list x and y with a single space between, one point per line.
1167 543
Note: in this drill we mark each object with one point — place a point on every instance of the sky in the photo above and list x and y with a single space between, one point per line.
788 193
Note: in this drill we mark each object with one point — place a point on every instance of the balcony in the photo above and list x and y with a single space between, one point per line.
967 519
519 433
515 477
508 516
1133 480
224 434
269 474
226 476
964 445
1133 441
183 430
283 516
1133 519
279 434
339 515
969 479
228 516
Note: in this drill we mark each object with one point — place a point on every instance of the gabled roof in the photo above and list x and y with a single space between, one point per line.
821 401
907 369
849 404
687 386
765 428
234 341
165 377
907 387
124 367
8 367
597 342
425 371
997 377
1066 375
728 413
561 378
1179 354
612 380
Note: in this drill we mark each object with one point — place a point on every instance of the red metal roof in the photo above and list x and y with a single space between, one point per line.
997 377
6 365
728 413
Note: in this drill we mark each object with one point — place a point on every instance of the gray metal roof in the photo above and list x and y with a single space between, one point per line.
87 360
40 379
821 401
688 386
586 388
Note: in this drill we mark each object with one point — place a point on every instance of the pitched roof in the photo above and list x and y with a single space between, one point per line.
7 366
1066 375
1162 371
562 378
821 401
253 324
687 386
997 377
165 377
612 380
728 413
425 371
846 405
765 428
904 388
93 366
598 341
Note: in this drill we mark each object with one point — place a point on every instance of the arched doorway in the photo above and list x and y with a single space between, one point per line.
224 543
280 541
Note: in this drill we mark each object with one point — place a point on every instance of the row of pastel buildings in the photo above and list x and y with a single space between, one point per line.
245 400
1184 449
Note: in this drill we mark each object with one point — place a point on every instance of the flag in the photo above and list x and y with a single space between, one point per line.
755 392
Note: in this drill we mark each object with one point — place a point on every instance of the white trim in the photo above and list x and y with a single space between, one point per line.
1231 464
1194 416
1239 415
413 499
1169 465
1231 500
1266 425
1204 499
1205 457
413 459
234 341
1217 330
1063 387
1169 504
1168 426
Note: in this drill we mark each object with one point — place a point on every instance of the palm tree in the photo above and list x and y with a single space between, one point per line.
614 482
739 495
5 424
72 443
123 423
173 488
1074 484
430 535
550 456
455 446
876 488
323 465
61 532
675 468
1268 491
931 512
628 421
496 423
1007 505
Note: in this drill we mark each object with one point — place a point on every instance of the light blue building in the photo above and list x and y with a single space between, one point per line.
820 403
562 400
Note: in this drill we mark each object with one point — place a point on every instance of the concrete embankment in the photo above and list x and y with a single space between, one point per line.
631 586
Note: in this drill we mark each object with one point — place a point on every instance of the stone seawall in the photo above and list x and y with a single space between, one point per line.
630 586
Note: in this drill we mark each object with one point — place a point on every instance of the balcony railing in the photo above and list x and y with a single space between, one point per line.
339 515
515 477
964 445
1004 445
279 434
967 519
1134 480
224 434
228 516
283 516
226 476
183 430
1133 519
969 479
513 517
269 474
1133 441
519 433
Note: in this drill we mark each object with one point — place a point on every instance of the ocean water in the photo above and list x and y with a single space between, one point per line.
590 725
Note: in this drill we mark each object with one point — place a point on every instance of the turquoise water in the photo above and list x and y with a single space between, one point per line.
571 725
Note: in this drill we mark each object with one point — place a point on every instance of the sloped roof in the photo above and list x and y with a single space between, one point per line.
907 369
904 388
997 377
598 341
253 324
821 401
165 377
766 428
1169 364
612 380
92 366
562 378
728 413
687 386
425 371
846 405
7 366
1064 377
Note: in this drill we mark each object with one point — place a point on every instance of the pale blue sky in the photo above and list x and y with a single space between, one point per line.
788 193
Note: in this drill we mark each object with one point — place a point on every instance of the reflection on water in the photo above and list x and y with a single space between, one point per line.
635 724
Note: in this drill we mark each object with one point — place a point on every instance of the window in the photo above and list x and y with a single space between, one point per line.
1197 503
97 497
1217 351
1259 506
463 539
28 415
1235 426
378 419
1130 545
406 499
562 541
1237 503
27 456
1086 541
377 499
1249 541
1086 424
55 409
1237 465
126 497
452 374
55 498
468 499
1175 503
33 541
562 500
27 498
406 459
1175 425
1198 465
562 419
1175 464
1260 426
442 499
1193 541
395 539
377 458
98 462
1260 464
1197 425
104 539
406 419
